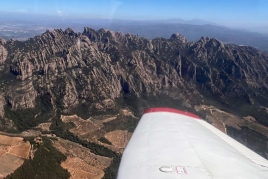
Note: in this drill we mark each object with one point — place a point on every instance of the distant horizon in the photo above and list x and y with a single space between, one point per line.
71 17
96 18
227 12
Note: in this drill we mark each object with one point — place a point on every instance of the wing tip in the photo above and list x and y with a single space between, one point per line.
171 110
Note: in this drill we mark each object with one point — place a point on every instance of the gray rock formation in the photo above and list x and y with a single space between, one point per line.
3 51
95 68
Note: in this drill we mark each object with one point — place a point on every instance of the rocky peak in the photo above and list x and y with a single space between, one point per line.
178 37
213 42
3 51
102 71
89 32
70 32
2 41
204 39
95 66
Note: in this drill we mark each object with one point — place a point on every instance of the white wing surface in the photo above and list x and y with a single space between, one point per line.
172 144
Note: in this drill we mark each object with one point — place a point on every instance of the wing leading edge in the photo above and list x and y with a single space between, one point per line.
169 143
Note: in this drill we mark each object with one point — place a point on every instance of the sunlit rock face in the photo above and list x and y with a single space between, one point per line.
93 69
3 51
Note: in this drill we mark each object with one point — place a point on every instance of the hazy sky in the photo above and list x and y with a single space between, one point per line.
226 12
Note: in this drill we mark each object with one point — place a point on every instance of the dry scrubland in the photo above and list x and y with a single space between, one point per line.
84 129
118 138
92 130
220 119
81 162
13 152
44 126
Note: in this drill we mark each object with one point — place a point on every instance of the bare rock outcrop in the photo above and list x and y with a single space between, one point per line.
21 96
94 69
3 51
2 104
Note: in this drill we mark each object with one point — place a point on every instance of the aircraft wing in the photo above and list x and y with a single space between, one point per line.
173 144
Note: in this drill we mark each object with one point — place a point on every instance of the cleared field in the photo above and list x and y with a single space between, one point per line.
75 150
9 163
6 140
118 138
13 151
81 163
220 119
96 128
109 119
100 120
80 169
84 129
4 149
22 150
44 126
127 112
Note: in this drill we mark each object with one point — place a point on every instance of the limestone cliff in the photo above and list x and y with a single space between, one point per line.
95 68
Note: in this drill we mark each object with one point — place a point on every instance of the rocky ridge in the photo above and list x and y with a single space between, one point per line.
96 67
101 72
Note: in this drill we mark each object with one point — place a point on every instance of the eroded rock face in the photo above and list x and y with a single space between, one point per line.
2 104
70 98
94 68
21 96
179 37
3 51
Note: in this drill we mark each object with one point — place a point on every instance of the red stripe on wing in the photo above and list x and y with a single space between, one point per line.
149 110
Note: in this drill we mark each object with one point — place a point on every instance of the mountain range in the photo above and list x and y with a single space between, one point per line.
100 72
22 26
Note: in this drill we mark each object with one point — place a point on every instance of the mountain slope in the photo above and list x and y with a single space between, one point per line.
101 72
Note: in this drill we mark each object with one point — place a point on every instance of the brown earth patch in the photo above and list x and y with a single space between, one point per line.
118 138
4 149
22 150
250 119
100 120
216 123
44 126
220 118
109 119
94 128
80 169
84 129
6 140
13 151
81 161
9 163
127 112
